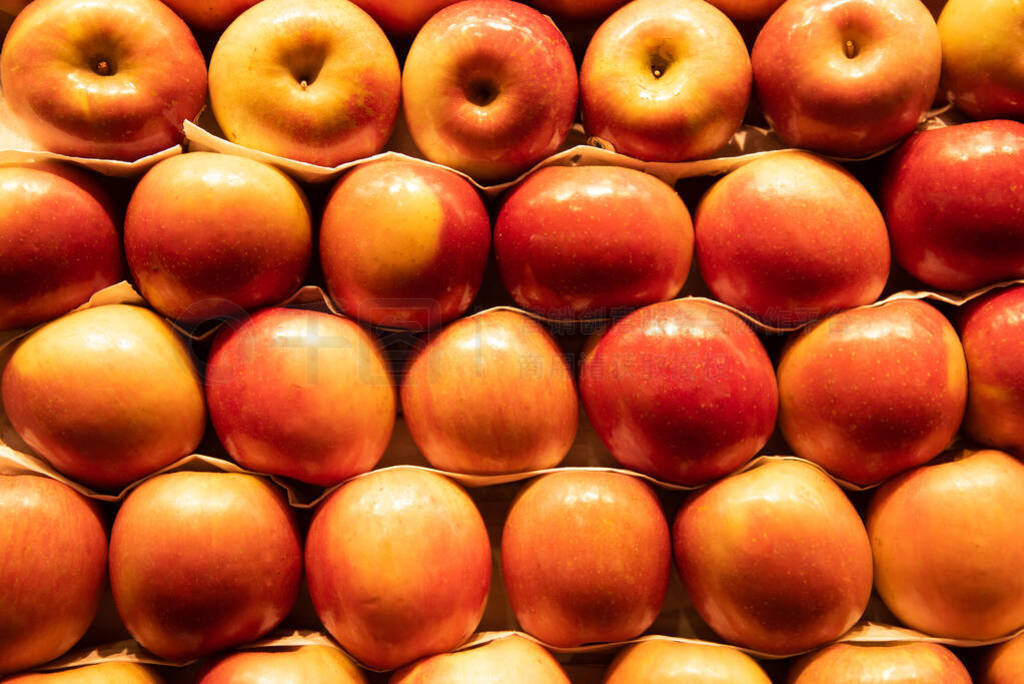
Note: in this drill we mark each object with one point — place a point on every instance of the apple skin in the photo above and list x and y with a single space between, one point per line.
775 558
872 392
312 80
687 110
747 10
12 7
47 267
577 241
489 88
306 664
578 10
109 672
402 18
1002 664
818 98
54 545
949 196
106 395
791 237
671 662
948 542
203 561
399 566
404 244
207 235
568 591
491 394
981 70
897 663
204 15
682 390
51 76
509 660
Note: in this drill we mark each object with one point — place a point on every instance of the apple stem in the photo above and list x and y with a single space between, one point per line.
304 84
850 48
103 68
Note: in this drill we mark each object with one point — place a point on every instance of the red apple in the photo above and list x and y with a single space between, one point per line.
681 390
311 80
577 10
203 561
204 15
575 241
299 393
111 79
775 558
673 662
747 10
950 199
1003 664
491 394
306 664
848 77
207 235
107 672
872 392
509 660
12 7
586 557
404 244
948 542
53 543
897 663
790 238
489 88
399 566
58 242
665 80
402 18
106 395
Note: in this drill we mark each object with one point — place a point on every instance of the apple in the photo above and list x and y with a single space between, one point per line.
306 664
577 241
872 392
404 244
489 88
207 235
775 558
896 663
111 79
981 70
53 543
1003 664
402 18
312 80
791 237
212 17
847 78
578 10
203 561
948 542
12 7
682 390
586 557
491 394
302 394
59 242
399 566
107 672
950 200
747 10
665 80
668 662
508 660
107 395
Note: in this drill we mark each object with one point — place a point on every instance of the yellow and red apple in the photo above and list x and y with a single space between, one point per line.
508 660
402 18
106 672
1003 664
306 664
747 10
210 16
670 662
912 662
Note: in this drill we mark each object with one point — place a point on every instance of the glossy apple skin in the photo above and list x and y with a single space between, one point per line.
208 235
306 664
774 558
399 565
54 545
564 588
577 10
302 394
106 395
670 662
204 15
817 98
509 660
578 241
981 72
500 53
311 80
688 110
947 541
955 218
491 394
1003 664
791 238
48 70
59 242
404 244
872 392
906 663
203 561
402 18
682 390
110 672
747 10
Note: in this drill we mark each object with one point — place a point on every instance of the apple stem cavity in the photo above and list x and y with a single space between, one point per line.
660 60
850 49
481 92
